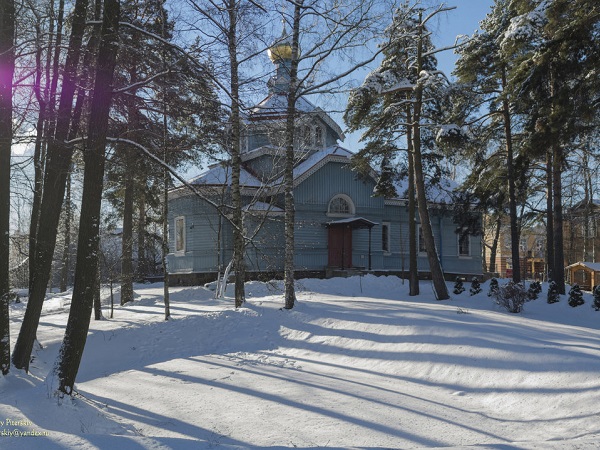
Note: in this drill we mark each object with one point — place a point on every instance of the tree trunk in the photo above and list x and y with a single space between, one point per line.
559 260
512 200
494 248
166 183
435 267
127 237
288 177
165 233
87 249
549 218
142 263
97 298
66 259
45 128
413 269
58 162
7 63
236 161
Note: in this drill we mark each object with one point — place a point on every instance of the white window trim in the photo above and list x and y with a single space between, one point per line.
350 204
183 235
388 251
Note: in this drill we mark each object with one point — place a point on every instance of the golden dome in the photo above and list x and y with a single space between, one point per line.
281 49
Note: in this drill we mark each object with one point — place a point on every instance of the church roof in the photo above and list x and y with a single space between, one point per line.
274 108
317 160
220 174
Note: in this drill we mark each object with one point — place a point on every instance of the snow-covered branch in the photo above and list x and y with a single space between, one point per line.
141 83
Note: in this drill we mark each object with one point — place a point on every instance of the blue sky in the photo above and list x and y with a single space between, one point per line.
462 20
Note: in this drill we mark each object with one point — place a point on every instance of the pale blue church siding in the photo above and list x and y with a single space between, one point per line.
264 253
312 198
310 239
201 235
396 216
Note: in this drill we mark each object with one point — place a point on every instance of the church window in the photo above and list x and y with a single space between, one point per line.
464 243
341 205
180 234
385 237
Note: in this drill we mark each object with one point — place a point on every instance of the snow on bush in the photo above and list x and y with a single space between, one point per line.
596 304
475 286
553 294
458 286
512 297
535 287
575 296
451 135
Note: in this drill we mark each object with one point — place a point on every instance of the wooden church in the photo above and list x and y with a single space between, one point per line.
340 226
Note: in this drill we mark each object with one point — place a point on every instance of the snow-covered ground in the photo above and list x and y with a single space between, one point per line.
357 364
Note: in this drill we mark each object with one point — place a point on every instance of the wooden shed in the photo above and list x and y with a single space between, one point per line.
585 274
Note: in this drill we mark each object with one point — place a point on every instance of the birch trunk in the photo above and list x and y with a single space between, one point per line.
87 250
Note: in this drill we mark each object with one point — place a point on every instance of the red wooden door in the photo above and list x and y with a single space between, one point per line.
340 247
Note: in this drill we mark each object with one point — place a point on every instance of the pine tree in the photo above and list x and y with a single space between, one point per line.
596 304
398 93
458 286
553 293
575 296
535 287
475 286
556 54
482 68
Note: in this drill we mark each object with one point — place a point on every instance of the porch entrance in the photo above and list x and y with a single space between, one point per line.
340 247
340 241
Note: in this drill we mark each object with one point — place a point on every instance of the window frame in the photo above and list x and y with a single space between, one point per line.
459 237
179 234
351 208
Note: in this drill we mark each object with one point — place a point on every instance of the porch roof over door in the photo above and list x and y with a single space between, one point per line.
352 222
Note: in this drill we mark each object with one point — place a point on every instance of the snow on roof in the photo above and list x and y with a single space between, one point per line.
359 222
590 265
438 193
274 108
219 175
263 207
276 105
315 160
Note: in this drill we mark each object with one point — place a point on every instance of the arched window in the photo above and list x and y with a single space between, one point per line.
341 206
